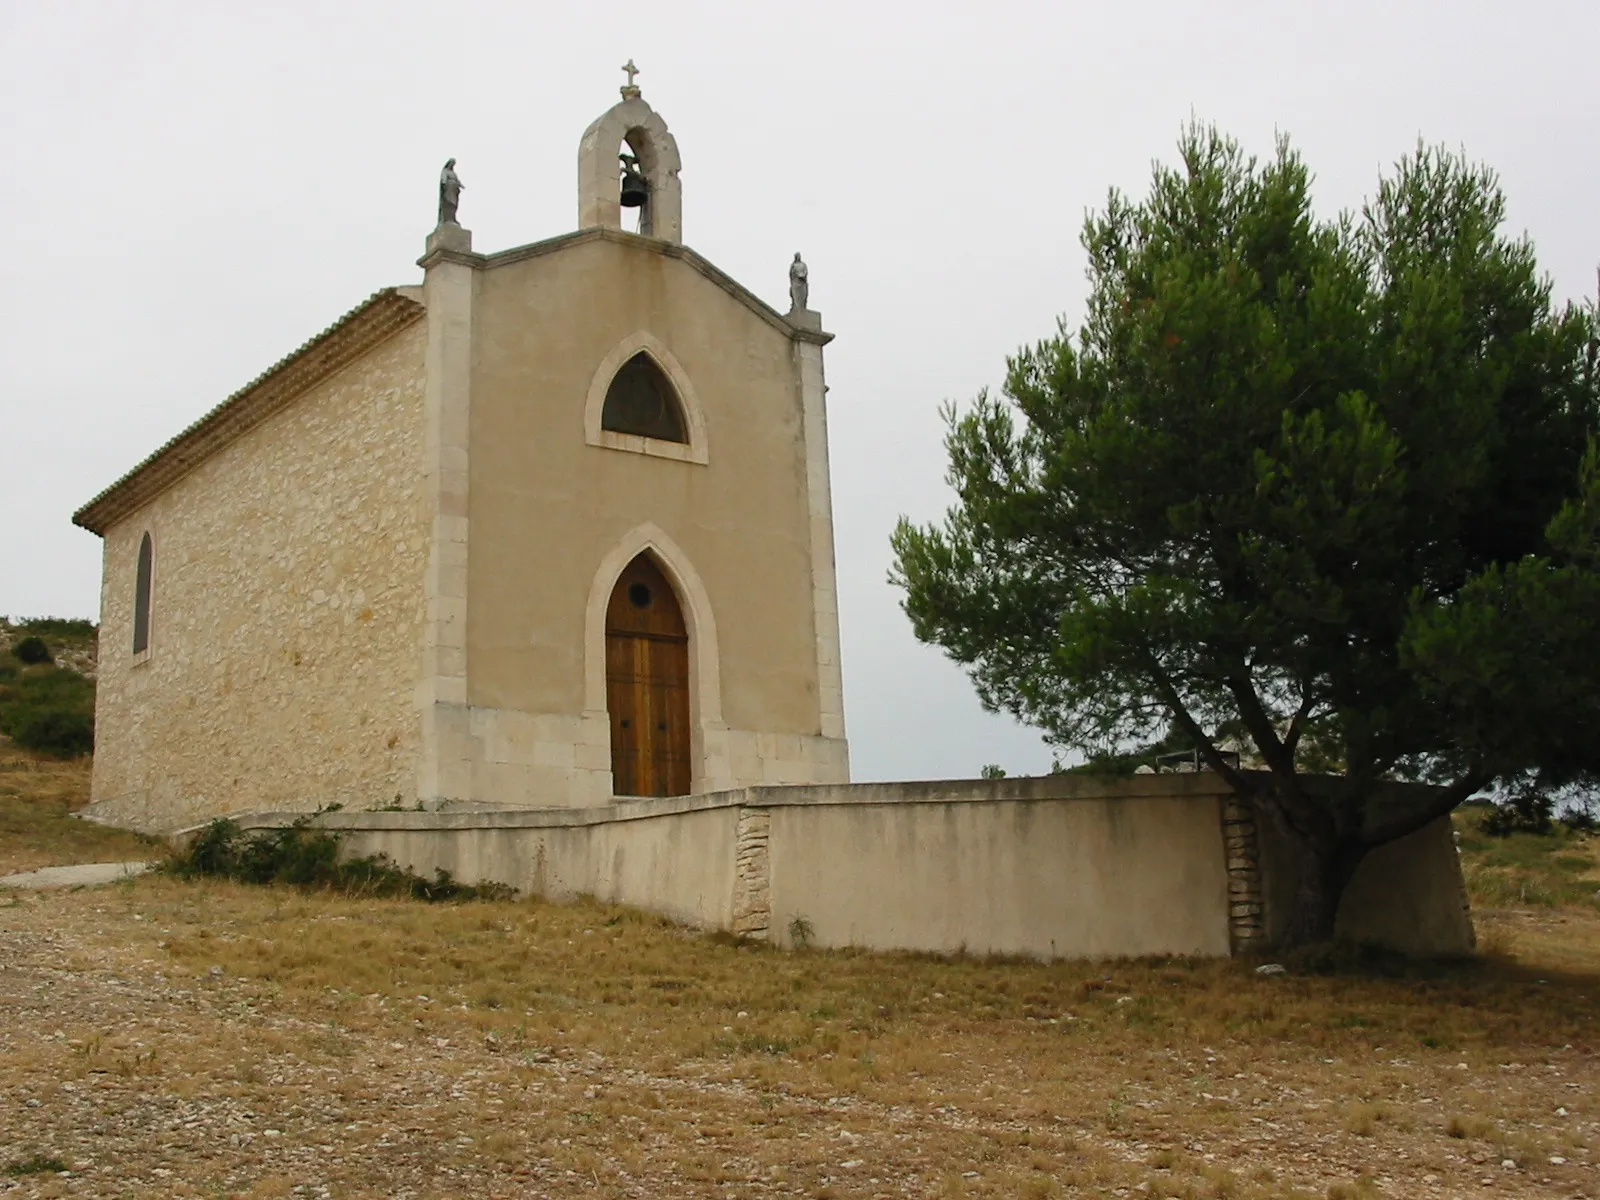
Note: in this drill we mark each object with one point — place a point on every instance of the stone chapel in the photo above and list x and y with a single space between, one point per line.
550 529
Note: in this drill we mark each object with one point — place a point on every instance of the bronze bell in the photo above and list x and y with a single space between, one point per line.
635 189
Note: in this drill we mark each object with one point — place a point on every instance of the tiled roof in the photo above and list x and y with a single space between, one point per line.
352 335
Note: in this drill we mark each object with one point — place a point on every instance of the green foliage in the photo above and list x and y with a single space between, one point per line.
801 933
1530 808
992 771
31 651
62 628
1313 481
48 709
1527 812
302 855
1511 658
52 729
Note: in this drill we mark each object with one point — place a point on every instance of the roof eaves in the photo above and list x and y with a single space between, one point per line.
381 315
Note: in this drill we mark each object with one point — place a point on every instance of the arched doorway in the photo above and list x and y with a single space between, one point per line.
647 684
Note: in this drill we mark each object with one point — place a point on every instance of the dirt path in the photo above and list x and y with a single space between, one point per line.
76 875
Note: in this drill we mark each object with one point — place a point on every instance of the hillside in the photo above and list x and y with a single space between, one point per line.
47 673
73 643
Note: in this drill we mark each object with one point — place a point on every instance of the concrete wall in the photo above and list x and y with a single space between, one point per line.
1067 866
1408 895
286 611
1056 867
1098 871
674 856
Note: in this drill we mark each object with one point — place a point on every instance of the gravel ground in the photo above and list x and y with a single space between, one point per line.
147 1079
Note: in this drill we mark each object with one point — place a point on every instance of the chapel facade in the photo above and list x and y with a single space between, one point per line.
552 528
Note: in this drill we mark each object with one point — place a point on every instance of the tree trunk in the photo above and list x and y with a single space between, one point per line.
1321 864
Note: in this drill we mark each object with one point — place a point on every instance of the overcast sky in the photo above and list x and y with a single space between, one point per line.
192 190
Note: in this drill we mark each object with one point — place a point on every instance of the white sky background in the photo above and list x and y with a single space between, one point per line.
191 191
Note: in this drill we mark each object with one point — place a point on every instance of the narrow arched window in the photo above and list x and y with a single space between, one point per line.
141 596
641 401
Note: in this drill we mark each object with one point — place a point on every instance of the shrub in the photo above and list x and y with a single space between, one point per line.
53 729
32 650
48 709
1581 820
1528 813
304 856
60 627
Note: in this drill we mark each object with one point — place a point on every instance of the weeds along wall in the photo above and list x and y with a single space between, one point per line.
1057 867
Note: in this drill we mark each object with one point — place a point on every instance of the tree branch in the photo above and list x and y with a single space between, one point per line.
1291 739
1235 779
1279 758
1442 805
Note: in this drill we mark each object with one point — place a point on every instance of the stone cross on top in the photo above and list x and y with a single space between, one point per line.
630 90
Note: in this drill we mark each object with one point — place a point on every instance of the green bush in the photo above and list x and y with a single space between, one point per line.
303 856
48 709
53 729
32 650
73 628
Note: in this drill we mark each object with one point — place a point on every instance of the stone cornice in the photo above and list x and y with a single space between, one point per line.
381 316
712 272
465 257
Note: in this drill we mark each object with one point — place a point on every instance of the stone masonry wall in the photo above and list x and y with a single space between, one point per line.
286 617
1246 929
752 874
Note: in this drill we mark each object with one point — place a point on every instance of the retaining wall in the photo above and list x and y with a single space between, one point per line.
1054 867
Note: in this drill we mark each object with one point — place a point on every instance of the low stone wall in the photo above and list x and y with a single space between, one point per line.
1055 867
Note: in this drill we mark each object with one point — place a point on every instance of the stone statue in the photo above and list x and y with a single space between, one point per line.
799 285
449 193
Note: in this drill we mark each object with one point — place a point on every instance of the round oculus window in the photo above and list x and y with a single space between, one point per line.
639 595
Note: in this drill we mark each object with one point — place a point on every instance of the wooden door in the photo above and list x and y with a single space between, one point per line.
647 684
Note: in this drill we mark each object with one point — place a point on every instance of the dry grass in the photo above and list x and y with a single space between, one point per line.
1525 870
647 1060
37 829
220 1040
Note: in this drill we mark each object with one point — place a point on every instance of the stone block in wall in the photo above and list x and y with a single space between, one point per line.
1243 859
752 885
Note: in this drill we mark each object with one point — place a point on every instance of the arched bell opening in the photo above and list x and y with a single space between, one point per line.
647 684
642 401
633 185
633 125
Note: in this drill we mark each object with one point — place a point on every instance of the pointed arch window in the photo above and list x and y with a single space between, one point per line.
642 401
144 576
